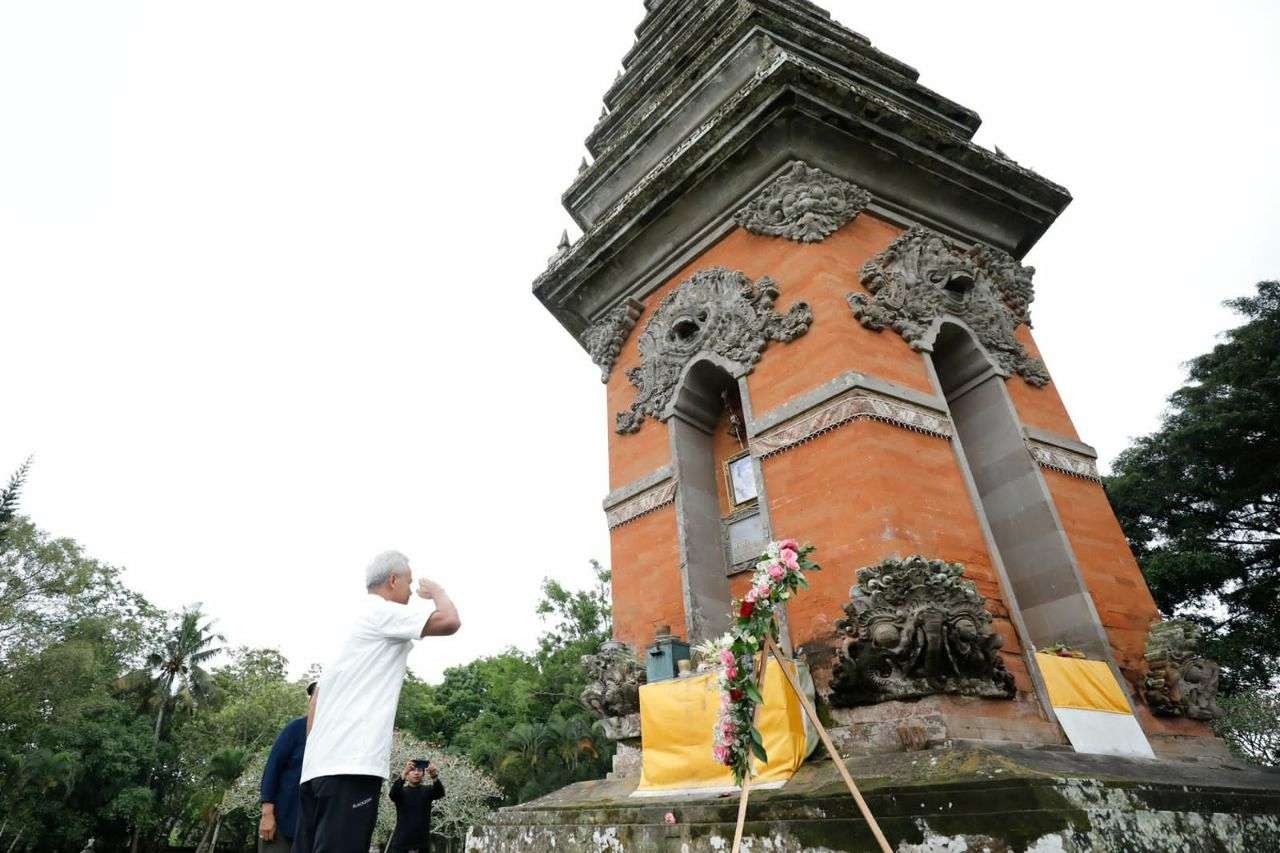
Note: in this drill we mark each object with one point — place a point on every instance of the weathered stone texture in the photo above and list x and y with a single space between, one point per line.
719 312
612 693
913 628
921 277
803 204
1179 682
955 799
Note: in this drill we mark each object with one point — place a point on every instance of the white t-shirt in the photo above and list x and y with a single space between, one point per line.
359 691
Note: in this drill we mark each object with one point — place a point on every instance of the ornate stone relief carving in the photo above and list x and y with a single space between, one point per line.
913 628
1179 682
604 338
717 311
803 204
613 691
1064 461
922 277
642 504
854 406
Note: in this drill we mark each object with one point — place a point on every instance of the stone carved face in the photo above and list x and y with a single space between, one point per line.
951 276
717 312
615 676
921 278
913 628
803 204
1179 682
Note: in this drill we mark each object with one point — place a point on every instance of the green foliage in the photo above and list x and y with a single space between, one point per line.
9 498
1199 498
1251 726
73 751
118 719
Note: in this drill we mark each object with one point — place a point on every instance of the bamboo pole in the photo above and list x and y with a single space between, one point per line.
831 749
746 780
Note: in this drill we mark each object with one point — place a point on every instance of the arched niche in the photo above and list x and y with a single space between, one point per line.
1039 567
692 418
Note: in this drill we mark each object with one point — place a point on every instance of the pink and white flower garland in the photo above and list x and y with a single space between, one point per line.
778 576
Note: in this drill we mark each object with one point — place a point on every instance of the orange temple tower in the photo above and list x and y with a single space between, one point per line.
801 280
803 284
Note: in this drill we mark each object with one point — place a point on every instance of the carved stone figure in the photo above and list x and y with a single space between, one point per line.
604 338
717 311
1179 682
913 628
803 204
922 277
613 692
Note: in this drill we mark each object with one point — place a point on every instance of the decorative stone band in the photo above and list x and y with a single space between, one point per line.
1063 461
644 503
856 405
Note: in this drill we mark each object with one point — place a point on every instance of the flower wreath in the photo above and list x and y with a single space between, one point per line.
778 576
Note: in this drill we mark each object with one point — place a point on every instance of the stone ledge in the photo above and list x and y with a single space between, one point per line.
1017 798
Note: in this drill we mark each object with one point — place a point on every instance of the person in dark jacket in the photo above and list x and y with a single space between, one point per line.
413 801
279 823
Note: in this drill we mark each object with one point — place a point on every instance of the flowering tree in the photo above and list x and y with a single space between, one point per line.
469 792
778 576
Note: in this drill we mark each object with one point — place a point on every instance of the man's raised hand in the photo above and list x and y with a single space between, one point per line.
428 589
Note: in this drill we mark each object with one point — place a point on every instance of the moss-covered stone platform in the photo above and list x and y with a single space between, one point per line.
955 798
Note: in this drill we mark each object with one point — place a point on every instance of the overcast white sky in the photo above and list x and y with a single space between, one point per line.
265 269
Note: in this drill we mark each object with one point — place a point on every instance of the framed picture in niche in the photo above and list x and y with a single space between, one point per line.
740 477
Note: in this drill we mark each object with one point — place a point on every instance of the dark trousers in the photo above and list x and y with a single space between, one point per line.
338 814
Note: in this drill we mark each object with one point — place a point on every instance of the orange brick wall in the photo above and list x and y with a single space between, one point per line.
1119 592
820 274
646 578
865 491
1039 407
868 491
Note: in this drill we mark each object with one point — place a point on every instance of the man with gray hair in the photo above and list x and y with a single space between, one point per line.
353 709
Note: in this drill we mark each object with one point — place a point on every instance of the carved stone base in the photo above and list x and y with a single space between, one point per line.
939 720
959 797
626 761
622 728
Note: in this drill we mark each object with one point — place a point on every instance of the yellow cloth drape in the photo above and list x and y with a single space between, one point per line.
1083 685
677 718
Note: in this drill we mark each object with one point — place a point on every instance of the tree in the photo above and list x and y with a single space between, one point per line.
225 767
48 585
71 747
579 617
1251 726
9 497
469 792
1199 499
175 679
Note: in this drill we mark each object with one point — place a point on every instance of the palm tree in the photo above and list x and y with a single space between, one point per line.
526 743
225 767
571 739
175 678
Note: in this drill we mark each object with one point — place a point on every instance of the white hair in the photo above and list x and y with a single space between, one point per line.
383 566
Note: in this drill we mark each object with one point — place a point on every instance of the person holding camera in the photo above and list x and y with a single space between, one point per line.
354 708
413 802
